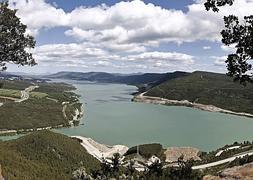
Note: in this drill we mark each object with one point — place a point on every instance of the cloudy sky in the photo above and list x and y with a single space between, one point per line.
126 36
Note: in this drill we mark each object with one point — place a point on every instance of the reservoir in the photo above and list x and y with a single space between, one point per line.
111 118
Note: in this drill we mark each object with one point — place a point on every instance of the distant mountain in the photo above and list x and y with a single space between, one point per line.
9 75
134 79
207 88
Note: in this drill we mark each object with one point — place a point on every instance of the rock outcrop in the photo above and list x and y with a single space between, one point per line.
173 153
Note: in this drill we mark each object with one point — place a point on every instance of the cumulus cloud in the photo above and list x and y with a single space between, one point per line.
125 33
38 14
163 56
130 21
82 55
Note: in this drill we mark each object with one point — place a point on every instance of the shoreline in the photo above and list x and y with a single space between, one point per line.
100 151
76 118
24 96
162 101
14 132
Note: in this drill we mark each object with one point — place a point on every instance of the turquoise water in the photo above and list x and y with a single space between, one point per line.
111 118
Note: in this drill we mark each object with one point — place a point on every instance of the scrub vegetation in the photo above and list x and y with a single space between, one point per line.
44 155
50 105
209 89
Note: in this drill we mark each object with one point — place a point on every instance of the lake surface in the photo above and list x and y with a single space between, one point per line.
111 118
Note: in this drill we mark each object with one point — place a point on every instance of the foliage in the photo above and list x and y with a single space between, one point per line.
44 155
44 107
147 150
109 169
116 162
183 171
130 168
32 113
214 4
13 40
155 169
240 34
80 174
211 156
15 85
10 93
241 161
207 88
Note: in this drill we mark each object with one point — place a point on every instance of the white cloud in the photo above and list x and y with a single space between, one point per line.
130 21
38 14
219 60
163 56
229 49
207 47
81 55
125 33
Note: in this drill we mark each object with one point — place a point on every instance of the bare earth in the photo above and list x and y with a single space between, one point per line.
244 172
173 153
101 151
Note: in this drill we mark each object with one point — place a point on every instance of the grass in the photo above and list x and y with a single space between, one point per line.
44 155
10 93
38 95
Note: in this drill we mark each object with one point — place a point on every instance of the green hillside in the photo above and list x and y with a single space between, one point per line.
43 108
44 155
207 88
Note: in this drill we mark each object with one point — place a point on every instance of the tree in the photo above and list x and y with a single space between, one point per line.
240 34
155 169
14 42
185 167
214 4
116 162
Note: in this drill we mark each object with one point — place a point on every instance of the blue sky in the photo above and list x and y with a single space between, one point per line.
70 5
125 36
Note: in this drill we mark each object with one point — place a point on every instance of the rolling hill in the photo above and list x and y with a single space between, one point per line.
44 155
42 108
207 88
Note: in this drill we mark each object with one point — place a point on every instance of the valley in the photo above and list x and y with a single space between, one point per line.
108 108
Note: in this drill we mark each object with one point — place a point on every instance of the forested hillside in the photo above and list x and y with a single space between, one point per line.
44 155
26 105
207 88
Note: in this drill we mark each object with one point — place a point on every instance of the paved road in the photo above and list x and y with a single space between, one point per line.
230 148
249 153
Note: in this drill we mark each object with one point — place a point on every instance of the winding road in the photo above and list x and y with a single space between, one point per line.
249 153
25 93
